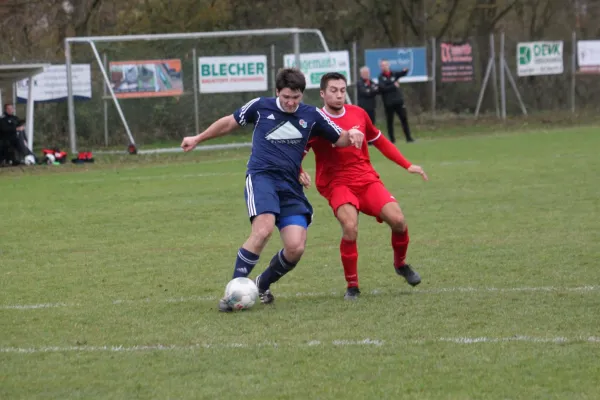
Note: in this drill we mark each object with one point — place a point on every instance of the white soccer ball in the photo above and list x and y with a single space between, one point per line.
241 293
29 160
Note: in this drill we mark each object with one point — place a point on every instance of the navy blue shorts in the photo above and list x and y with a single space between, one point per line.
265 193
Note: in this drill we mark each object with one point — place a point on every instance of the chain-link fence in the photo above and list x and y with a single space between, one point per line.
566 91
163 120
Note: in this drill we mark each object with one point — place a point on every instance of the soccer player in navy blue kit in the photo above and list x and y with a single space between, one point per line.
273 192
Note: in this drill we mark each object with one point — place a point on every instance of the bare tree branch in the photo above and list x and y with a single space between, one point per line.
380 16
409 18
532 24
449 19
88 16
468 27
502 13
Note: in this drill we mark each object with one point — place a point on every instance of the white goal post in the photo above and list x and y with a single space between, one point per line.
92 40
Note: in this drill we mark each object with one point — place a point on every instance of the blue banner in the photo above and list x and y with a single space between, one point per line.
413 58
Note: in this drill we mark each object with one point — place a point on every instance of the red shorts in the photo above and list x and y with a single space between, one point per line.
368 200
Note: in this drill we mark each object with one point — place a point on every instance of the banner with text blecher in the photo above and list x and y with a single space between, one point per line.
229 74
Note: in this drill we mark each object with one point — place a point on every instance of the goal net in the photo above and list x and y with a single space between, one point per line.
151 90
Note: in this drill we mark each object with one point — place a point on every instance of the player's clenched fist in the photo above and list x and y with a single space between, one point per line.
356 137
189 143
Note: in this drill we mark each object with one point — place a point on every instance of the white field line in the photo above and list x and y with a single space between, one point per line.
137 167
459 162
376 292
480 135
114 177
517 338
135 178
225 146
35 306
307 344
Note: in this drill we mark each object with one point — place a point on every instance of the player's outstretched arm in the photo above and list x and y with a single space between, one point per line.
326 128
392 153
220 127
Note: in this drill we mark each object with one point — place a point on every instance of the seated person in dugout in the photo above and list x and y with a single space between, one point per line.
13 141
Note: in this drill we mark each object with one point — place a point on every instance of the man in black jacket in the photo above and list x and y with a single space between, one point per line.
367 93
393 99
13 143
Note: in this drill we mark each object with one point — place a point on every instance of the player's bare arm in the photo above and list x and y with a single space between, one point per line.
220 127
352 137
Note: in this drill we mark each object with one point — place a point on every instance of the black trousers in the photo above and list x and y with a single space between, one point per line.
13 147
5 151
400 110
371 112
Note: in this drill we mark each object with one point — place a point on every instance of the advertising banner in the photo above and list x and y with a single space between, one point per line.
413 58
233 74
51 85
147 78
456 61
588 56
540 58
315 65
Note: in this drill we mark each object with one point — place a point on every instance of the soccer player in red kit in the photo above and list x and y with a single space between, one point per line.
346 178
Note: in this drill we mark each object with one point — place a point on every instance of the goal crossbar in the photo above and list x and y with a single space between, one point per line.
190 35
91 40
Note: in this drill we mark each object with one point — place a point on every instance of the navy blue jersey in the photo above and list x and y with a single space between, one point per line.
279 137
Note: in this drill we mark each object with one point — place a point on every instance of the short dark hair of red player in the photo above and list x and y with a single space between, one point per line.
331 76
291 78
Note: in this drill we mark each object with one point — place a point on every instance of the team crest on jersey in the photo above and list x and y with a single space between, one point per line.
302 123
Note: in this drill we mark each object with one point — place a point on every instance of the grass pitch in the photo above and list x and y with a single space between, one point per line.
110 275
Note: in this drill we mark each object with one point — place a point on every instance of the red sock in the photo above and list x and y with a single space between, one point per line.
400 246
349 253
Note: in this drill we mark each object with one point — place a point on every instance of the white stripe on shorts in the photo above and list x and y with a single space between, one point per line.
250 201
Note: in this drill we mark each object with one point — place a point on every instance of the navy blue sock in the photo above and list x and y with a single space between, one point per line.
244 263
277 268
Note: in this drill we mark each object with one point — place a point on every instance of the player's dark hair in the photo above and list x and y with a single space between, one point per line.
331 76
291 78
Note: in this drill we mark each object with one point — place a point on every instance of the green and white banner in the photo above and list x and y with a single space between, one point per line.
315 65
232 74
540 58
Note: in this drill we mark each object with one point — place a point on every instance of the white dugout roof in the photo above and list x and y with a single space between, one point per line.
12 73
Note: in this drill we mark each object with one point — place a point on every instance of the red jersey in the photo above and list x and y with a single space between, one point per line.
346 166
